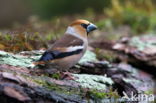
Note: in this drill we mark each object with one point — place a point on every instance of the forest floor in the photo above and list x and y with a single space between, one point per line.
116 66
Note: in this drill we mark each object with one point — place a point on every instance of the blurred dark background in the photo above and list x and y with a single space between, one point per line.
12 11
19 10
30 20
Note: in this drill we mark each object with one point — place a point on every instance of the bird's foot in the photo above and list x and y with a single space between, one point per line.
67 76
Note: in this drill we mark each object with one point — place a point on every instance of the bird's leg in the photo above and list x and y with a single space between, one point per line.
67 75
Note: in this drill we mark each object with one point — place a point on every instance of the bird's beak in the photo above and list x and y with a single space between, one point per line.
91 27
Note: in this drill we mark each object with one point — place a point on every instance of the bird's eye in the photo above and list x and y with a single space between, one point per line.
84 25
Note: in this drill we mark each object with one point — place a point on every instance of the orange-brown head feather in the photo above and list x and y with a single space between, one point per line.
79 22
80 27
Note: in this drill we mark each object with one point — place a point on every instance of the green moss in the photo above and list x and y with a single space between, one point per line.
149 92
106 55
43 81
98 95
58 88
49 85
7 37
101 95
56 76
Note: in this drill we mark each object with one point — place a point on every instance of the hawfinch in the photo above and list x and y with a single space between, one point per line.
68 50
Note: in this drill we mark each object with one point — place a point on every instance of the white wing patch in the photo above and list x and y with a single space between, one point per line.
74 48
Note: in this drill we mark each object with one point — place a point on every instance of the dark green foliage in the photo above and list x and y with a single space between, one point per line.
137 15
49 8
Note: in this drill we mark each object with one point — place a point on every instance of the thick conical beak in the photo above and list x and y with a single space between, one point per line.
91 27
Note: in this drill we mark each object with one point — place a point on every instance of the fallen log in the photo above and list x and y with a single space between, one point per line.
95 81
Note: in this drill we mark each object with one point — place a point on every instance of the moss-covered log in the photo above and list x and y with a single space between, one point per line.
139 51
94 82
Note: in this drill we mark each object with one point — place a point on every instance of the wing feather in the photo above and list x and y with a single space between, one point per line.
68 45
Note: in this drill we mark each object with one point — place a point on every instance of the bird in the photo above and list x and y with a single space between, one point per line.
70 48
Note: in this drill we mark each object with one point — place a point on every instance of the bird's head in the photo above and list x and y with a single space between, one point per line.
81 28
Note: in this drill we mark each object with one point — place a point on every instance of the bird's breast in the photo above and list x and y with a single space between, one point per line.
68 62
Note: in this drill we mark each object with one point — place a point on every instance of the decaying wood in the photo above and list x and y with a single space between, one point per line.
117 75
138 51
22 84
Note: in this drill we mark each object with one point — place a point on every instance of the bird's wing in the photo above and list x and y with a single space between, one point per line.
68 45
68 41
52 55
